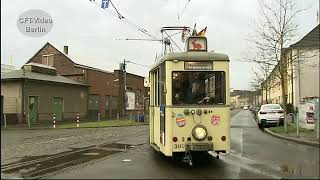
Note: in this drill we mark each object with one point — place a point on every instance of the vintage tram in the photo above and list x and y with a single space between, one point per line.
190 101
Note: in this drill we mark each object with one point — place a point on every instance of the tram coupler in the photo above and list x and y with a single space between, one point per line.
187 158
217 155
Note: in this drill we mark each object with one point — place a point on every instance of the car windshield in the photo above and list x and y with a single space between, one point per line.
271 107
198 88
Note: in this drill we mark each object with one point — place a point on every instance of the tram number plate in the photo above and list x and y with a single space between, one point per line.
178 146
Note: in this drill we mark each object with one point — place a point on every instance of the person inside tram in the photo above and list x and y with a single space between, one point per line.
197 88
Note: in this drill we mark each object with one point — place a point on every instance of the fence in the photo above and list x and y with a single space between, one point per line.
71 119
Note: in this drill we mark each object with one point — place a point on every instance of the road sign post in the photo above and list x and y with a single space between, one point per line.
78 120
118 119
54 120
28 119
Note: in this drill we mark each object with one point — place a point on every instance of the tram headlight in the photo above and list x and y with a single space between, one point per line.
199 132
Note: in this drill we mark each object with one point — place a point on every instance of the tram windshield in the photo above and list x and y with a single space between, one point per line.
198 88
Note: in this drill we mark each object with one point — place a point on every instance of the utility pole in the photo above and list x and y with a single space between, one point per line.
125 87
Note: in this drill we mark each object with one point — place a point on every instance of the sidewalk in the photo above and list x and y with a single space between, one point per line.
306 136
68 125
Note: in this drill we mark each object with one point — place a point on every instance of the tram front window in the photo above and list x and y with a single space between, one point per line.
198 88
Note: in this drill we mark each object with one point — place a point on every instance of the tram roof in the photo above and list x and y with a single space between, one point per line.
191 56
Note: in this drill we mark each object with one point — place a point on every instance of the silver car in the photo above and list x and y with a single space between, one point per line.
270 114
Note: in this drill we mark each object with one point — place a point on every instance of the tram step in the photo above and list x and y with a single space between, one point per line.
155 146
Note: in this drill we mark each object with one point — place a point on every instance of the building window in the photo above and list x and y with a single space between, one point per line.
48 59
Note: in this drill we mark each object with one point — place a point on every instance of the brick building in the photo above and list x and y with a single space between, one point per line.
106 89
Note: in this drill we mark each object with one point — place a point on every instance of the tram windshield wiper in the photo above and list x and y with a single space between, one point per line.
206 99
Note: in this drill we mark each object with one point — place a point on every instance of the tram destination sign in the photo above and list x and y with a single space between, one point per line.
198 66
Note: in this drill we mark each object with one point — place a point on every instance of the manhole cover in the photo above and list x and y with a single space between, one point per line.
91 154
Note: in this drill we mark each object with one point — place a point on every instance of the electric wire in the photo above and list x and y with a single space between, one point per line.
183 9
121 17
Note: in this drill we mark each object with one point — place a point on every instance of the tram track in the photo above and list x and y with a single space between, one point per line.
33 168
41 166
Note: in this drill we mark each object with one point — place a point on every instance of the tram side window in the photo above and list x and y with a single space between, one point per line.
198 88
156 88
161 85
158 82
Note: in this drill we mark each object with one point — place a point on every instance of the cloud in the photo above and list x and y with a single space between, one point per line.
91 33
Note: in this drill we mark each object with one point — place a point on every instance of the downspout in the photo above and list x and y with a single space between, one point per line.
22 102
23 113
299 76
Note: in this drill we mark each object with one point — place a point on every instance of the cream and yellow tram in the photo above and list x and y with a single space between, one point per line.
190 101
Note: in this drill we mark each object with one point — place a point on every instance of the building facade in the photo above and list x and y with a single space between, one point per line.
38 93
106 89
301 80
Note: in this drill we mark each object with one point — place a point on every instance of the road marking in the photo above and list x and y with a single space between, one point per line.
241 142
248 167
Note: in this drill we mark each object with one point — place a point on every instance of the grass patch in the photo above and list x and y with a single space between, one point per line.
292 128
105 123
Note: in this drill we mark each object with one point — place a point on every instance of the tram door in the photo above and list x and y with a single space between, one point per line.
162 124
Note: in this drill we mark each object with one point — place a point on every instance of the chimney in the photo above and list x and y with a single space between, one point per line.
65 49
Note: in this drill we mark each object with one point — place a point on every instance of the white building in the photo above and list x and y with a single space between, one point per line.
304 80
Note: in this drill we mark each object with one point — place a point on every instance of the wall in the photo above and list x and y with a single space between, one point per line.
306 75
12 92
61 62
134 82
101 84
74 99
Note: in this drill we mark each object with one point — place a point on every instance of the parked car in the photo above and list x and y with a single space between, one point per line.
270 114
255 110
245 107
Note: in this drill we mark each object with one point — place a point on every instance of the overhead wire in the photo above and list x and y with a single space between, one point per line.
137 64
121 17
183 9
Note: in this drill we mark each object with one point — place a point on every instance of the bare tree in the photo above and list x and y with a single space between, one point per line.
260 80
275 29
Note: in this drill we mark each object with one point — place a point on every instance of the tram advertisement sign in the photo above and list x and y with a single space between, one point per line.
180 120
197 44
198 66
215 120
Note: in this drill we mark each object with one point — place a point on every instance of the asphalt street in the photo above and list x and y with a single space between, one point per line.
254 154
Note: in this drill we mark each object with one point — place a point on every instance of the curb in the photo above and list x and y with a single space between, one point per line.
292 139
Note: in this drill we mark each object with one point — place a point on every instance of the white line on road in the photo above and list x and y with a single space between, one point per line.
241 142
248 167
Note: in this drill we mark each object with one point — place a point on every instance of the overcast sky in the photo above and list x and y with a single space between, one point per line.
91 32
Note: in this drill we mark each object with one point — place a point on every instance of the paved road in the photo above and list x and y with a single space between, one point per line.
253 155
